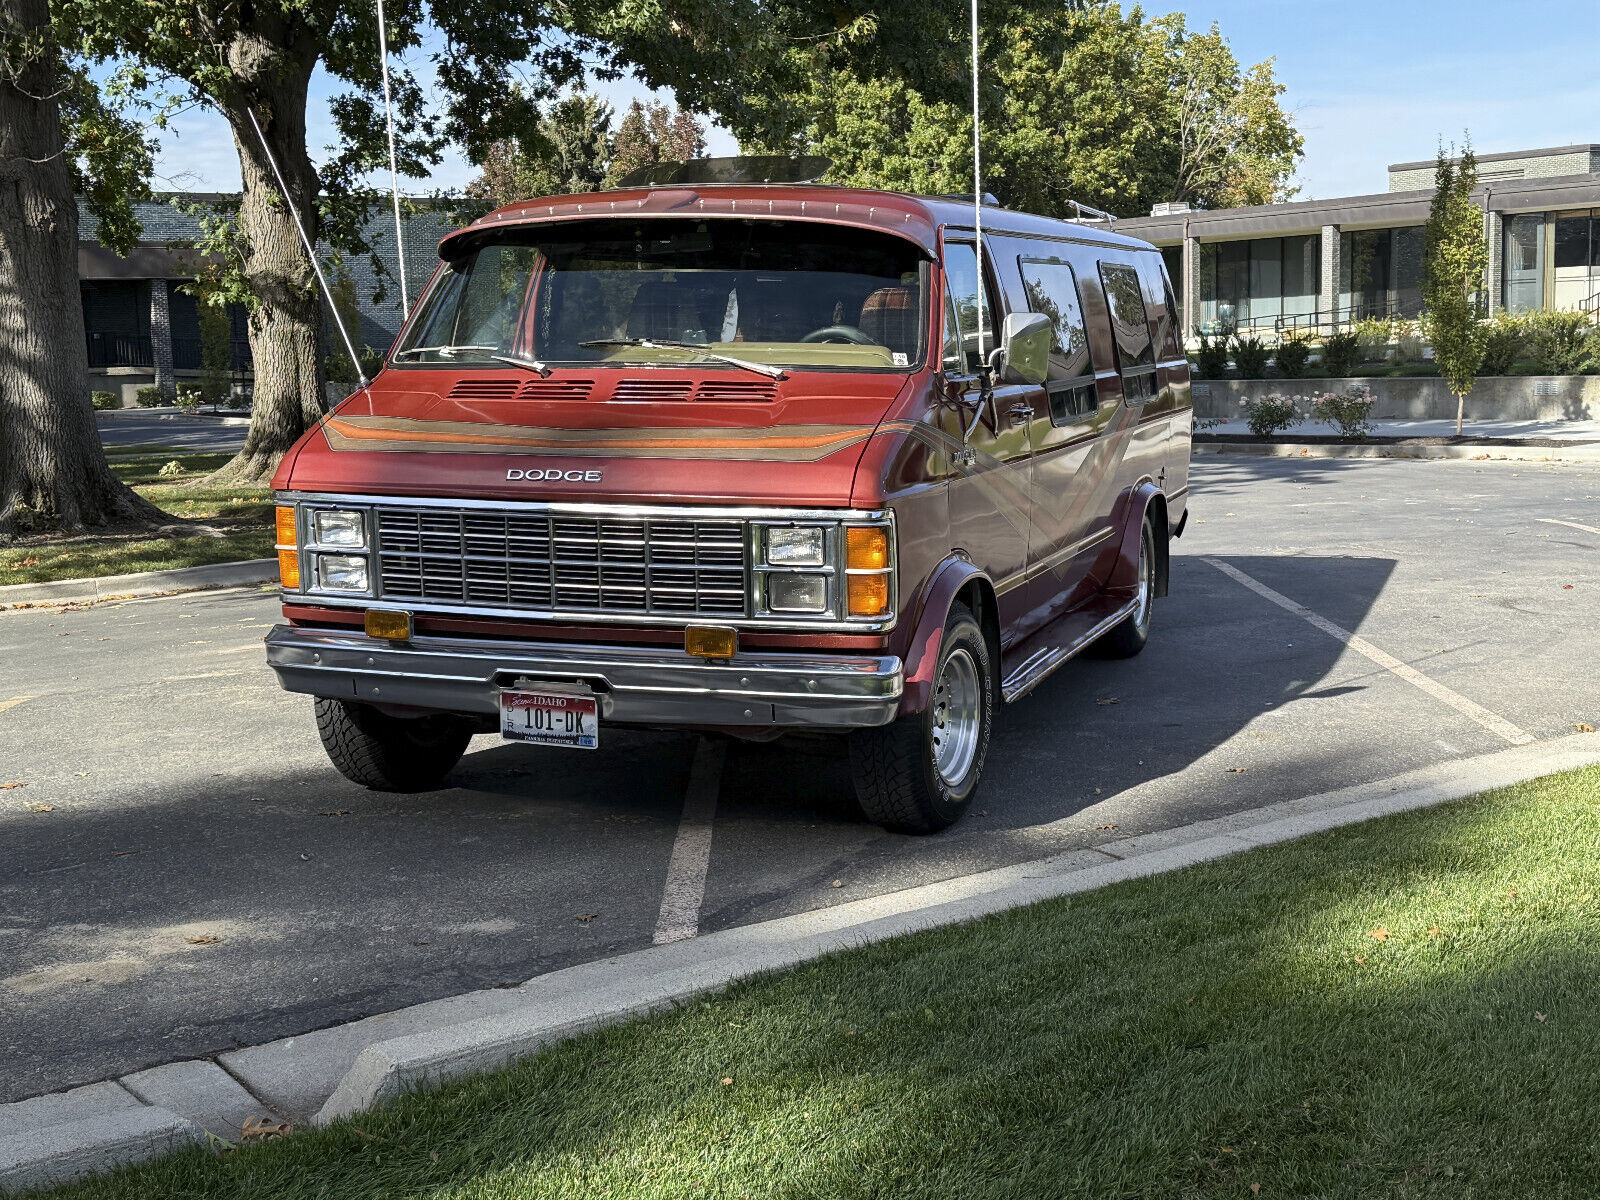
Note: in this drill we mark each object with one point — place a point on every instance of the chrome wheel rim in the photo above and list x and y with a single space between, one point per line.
1141 610
957 717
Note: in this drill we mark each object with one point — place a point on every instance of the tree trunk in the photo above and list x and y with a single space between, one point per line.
53 471
1461 410
286 324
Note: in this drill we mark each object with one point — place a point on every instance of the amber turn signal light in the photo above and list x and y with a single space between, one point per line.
289 568
868 595
710 641
866 548
286 529
389 625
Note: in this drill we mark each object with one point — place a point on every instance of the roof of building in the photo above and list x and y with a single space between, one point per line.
1504 156
917 218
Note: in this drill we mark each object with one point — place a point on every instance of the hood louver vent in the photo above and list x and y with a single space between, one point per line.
556 389
737 391
653 389
485 389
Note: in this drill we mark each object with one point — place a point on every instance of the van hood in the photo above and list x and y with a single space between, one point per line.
651 435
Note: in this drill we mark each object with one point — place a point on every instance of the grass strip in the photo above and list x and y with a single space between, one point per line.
238 523
1404 1008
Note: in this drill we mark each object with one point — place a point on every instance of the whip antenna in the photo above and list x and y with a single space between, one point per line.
394 171
977 181
311 252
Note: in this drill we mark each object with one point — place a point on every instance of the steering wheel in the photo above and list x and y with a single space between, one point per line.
847 334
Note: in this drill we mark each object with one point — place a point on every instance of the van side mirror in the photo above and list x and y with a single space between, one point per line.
1024 352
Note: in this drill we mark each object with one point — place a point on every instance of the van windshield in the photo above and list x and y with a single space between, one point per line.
616 293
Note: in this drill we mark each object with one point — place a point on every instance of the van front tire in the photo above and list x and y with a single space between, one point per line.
920 773
390 754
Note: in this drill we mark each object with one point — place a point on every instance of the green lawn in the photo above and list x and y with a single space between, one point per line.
1409 1007
237 524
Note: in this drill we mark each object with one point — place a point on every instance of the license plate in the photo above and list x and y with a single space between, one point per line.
551 717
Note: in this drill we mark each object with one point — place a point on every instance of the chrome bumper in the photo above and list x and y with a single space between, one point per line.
636 685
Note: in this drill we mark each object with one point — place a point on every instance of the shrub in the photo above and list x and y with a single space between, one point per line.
103 401
237 398
216 351
1339 355
1372 339
1564 343
1269 414
1505 341
1407 344
1292 356
1211 360
1350 413
170 468
148 396
1250 356
189 398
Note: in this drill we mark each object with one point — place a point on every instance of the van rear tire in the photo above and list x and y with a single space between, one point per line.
390 754
920 773
1133 632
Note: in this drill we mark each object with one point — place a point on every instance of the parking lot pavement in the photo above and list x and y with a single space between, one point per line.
182 871
199 434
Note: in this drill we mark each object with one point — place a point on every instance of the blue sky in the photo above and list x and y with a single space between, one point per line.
1370 83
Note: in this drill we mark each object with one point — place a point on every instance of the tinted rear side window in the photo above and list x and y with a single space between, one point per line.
1053 291
1130 327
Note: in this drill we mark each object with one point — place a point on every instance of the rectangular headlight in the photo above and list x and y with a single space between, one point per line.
794 546
338 527
342 572
797 593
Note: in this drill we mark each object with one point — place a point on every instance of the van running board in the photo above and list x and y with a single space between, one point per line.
1039 654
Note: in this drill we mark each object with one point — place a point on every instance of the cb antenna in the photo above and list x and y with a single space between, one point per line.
394 170
311 251
977 185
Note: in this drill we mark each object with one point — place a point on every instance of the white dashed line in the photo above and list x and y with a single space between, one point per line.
1571 525
1493 722
691 852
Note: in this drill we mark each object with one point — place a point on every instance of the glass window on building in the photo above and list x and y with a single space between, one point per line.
1380 272
1259 284
1575 254
1522 276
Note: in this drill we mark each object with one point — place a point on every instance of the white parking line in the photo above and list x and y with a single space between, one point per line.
1571 525
1493 722
691 852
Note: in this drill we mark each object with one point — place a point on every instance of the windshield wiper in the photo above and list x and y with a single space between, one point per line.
441 351
528 364
652 344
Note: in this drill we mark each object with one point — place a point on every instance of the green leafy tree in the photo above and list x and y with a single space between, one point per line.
216 351
1454 260
1079 102
60 134
654 133
570 151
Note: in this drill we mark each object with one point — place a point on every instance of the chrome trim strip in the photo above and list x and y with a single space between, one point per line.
709 512
1032 672
1081 546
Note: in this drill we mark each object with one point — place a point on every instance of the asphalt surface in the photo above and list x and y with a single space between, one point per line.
174 795
153 427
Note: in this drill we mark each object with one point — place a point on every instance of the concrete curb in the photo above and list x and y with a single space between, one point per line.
140 583
58 1154
1581 452
334 1073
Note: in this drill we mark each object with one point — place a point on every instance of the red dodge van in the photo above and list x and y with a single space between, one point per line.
742 458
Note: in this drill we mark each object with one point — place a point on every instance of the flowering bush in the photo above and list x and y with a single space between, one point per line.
1350 413
1269 414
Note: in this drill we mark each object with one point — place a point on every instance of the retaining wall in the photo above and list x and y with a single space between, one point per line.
1496 397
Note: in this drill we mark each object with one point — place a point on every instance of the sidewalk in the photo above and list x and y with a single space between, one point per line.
1516 431
1516 441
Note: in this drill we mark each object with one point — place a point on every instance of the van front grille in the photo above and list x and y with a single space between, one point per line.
541 563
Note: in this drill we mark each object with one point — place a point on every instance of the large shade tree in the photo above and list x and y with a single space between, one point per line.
1079 102
58 136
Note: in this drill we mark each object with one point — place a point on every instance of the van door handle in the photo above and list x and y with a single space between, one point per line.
1021 413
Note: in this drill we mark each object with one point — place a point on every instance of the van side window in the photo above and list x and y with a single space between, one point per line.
1171 343
1130 327
1053 290
967 309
